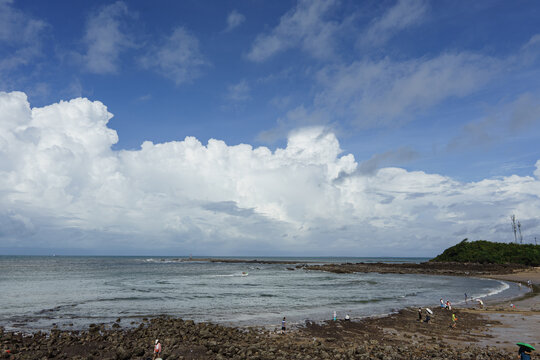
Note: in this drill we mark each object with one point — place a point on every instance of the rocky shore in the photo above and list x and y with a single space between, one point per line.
480 334
429 268
399 336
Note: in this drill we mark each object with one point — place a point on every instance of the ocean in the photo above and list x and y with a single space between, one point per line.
73 292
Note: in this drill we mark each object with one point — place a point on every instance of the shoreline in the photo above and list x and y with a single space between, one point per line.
480 333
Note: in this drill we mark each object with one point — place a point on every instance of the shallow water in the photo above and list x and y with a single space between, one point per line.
83 290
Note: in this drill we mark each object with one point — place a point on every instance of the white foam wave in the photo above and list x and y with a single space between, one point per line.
230 275
504 286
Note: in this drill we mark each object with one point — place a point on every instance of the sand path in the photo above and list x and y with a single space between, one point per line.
519 324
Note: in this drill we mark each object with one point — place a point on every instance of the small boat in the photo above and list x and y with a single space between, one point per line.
244 273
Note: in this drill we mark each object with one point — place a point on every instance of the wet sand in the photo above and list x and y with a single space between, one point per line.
520 323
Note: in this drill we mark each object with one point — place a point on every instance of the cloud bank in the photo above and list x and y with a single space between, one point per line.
62 186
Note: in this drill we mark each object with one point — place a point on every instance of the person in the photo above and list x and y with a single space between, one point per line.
335 316
454 320
419 314
480 303
428 317
465 298
519 285
448 305
347 317
529 283
283 325
442 303
524 353
157 350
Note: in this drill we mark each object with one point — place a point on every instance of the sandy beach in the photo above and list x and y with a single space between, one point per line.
488 333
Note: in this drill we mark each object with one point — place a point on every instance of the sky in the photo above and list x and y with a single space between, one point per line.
278 128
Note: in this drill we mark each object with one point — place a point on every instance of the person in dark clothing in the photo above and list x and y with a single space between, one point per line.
524 353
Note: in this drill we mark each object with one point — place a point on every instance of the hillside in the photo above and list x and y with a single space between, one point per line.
487 252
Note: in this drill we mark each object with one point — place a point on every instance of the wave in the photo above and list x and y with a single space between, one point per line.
230 275
504 286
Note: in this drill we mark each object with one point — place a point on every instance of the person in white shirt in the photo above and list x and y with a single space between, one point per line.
157 350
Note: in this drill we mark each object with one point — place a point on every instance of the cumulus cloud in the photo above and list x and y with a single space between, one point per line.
177 57
106 38
62 186
306 26
234 20
403 14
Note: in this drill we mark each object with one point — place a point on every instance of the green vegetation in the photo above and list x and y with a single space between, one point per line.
487 252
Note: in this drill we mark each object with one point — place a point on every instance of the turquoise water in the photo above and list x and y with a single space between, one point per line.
81 290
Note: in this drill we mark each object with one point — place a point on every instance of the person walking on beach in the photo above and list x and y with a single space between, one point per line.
465 298
419 314
347 317
283 325
157 350
454 320
442 303
524 353
335 316
428 317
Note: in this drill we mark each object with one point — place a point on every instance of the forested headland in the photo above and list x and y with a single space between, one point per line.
487 252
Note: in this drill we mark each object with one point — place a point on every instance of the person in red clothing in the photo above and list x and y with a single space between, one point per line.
157 350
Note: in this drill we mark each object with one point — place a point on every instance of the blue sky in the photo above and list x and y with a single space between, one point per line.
436 88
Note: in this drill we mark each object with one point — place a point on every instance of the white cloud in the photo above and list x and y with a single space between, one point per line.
374 93
234 19
404 14
306 26
62 186
106 38
21 37
239 92
177 57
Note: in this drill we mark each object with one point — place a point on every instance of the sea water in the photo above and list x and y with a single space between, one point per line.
72 292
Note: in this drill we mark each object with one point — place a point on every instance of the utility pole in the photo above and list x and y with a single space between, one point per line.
513 218
520 236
